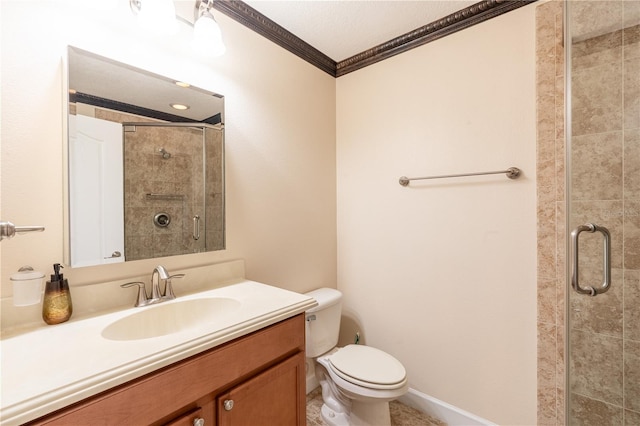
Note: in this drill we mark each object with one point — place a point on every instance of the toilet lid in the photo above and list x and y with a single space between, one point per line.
368 365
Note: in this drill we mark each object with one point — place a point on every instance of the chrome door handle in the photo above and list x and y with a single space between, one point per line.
196 227
606 283
114 255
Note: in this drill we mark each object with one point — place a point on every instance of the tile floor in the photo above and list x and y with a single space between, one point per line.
401 415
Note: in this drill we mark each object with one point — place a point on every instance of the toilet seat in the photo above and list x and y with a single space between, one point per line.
368 367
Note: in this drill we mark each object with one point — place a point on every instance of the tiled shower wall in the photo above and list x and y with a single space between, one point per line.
605 174
550 173
175 184
605 157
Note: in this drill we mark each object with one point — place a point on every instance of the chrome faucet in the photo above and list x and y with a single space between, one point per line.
159 274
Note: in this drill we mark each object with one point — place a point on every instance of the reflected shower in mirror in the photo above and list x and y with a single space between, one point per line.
145 164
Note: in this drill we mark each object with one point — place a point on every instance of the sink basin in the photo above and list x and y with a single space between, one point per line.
168 318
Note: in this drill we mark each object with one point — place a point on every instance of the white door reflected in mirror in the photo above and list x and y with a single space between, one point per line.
96 196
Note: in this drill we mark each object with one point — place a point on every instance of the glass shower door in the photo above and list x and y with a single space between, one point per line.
164 190
602 40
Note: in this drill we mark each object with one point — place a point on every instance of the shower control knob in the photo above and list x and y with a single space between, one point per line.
198 421
228 404
162 219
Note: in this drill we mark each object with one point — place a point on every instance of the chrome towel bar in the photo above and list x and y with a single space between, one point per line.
511 172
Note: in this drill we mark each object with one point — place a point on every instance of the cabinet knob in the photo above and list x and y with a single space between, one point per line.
198 421
228 404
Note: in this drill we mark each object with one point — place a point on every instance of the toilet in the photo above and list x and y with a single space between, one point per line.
357 381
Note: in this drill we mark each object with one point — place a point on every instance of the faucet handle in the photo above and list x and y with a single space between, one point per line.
168 288
142 293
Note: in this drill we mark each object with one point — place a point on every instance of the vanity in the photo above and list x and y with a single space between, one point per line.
237 359
256 379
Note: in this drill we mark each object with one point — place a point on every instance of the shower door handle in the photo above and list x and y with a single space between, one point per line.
575 280
196 227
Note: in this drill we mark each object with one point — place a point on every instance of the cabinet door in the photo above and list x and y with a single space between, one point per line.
274 397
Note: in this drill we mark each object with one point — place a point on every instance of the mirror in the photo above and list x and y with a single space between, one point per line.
145 164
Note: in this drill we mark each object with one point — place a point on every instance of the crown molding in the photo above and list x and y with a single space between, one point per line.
464 18
254 20
450 24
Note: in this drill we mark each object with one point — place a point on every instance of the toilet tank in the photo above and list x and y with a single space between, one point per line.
323 321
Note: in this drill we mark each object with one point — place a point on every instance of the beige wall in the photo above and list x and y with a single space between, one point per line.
280 143
442 273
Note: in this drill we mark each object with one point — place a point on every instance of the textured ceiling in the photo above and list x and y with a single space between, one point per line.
341 29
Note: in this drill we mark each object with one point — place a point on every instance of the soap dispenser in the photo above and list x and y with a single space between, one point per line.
57 305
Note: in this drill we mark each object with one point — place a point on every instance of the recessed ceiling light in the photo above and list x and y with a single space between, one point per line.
182 84
179 106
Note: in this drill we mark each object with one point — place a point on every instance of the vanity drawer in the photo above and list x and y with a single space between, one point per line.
174 391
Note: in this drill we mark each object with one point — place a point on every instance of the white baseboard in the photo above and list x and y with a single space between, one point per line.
451 415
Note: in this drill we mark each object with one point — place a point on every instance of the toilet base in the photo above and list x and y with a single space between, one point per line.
333 418
376 413
362 414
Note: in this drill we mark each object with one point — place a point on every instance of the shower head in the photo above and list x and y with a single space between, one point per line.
166 155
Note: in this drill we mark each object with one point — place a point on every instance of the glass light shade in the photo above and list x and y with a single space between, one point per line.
207 37
158 16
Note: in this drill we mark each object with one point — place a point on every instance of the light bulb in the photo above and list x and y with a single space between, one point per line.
207 37
181 107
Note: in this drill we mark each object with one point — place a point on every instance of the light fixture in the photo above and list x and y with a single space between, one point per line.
156 16
181 107
207 37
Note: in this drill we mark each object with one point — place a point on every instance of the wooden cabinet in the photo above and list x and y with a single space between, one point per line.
270 398
258 379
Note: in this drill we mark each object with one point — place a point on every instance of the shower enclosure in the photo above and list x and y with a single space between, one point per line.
602 130
172 189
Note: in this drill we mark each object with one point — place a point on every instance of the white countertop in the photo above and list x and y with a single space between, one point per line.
51 367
